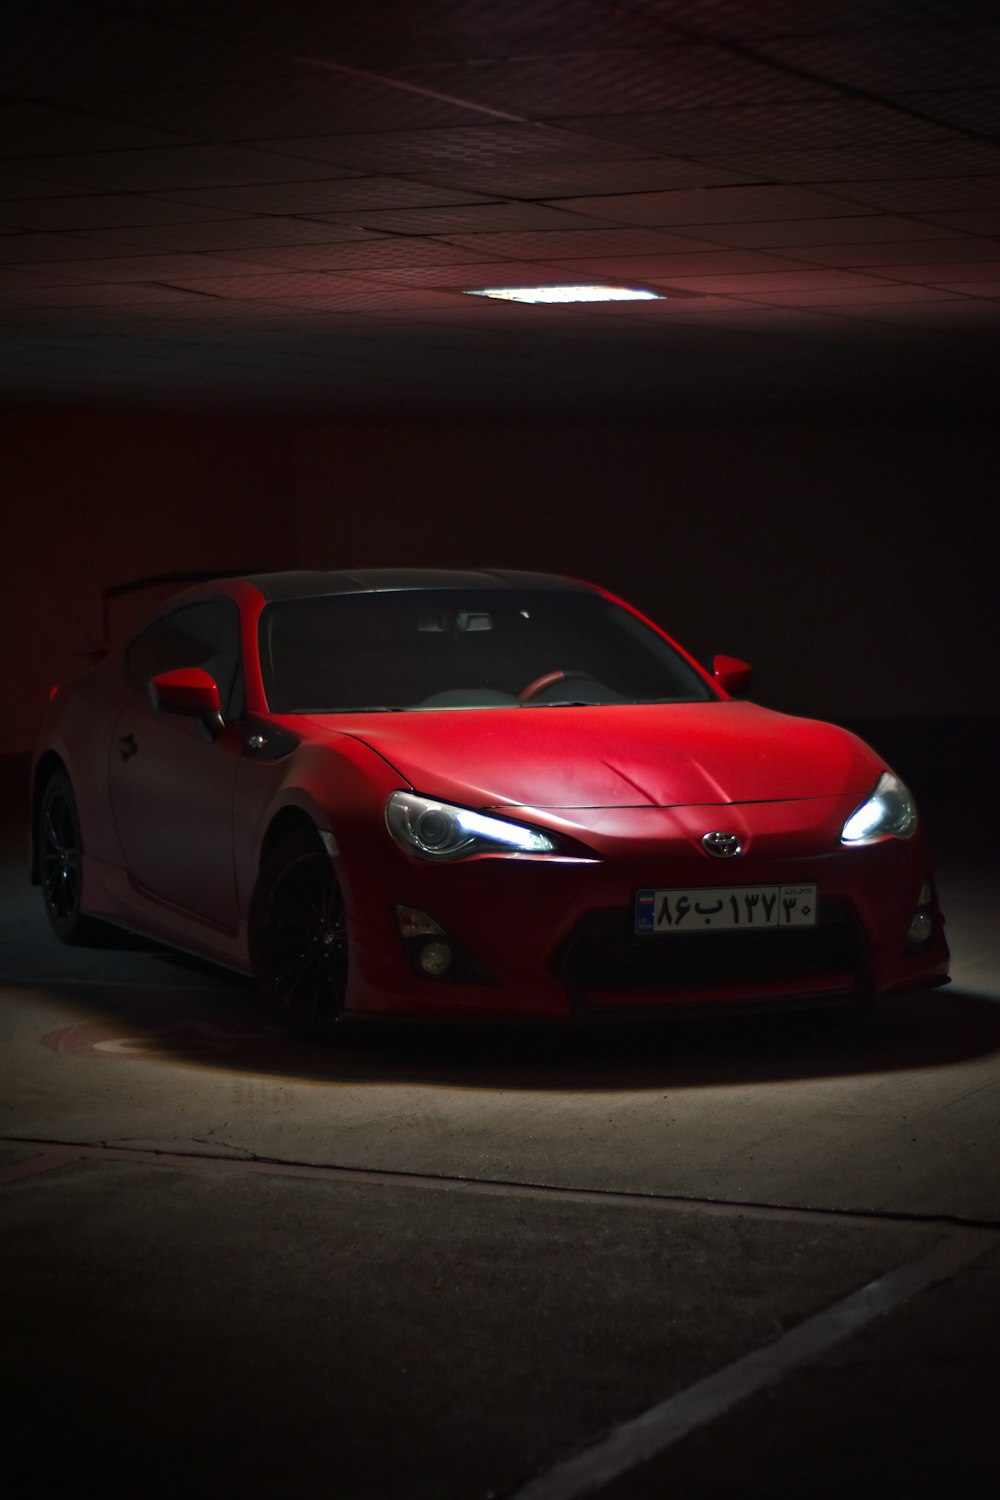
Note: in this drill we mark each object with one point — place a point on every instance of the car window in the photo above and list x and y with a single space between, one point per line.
447 648
199 635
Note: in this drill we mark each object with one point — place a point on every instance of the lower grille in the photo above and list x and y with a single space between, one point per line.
604 954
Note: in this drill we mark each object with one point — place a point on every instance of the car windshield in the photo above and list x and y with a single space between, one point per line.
447 648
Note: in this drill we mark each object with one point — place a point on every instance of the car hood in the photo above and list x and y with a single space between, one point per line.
627 755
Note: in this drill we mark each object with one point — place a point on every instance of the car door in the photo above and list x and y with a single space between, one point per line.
172 778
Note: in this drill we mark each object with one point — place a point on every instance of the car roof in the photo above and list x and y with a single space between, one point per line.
307 584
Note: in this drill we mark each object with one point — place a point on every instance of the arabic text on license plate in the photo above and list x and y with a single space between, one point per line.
716 908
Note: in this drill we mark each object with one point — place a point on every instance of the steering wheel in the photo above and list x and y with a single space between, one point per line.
548 679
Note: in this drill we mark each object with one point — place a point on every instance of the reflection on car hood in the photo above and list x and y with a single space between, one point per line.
627 755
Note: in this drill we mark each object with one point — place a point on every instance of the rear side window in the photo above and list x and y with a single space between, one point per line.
199 635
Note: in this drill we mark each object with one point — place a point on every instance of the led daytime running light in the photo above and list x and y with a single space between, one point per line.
439 830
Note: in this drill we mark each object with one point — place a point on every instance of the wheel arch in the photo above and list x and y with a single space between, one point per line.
283 825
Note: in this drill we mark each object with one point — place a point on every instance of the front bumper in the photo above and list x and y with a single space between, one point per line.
557 934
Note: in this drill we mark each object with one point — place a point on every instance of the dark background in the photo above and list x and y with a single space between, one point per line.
233 243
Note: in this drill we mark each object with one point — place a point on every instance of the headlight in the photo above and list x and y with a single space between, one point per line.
438 830
889 811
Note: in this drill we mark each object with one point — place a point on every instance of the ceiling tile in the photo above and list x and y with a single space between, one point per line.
483 146
311 102
874 255
664 267
105 296
870 297
570 243
722 205
143 268
100 212
789 18
942 314
369 252
234 233
22 248
568 180
976 110
754 282
779 234
923 195
322 196
488 218
370 34
17 187
12 277
33 129
989 288
939 272
586 83
985 221
825 168
823 123
269 285
92 53
169 167
896 59
242 197
462 275
388 301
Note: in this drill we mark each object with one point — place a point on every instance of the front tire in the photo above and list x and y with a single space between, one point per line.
297 934
59 845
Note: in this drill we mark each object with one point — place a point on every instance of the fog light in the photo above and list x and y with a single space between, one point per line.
920 928
435 959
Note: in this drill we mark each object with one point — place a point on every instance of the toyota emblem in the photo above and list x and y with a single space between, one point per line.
722 845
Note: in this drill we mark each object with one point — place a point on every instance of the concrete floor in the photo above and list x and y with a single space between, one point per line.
444 1264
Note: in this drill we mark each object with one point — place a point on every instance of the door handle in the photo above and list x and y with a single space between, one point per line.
127 747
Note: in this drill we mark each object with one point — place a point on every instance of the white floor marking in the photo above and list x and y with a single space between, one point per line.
646 1436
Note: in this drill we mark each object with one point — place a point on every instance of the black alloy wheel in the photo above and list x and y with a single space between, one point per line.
60 862
298 939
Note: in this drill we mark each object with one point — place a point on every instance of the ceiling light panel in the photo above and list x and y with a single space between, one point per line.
561 294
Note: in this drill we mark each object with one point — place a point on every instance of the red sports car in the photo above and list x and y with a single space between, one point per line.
490 795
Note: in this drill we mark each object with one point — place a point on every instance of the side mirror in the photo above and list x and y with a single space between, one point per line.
731 674
189 690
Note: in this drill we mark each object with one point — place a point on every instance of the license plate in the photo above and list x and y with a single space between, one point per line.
725 908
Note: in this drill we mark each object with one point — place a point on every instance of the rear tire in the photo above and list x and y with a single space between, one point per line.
59 845
297 932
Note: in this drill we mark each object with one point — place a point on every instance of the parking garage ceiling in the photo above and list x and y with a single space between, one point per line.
222 201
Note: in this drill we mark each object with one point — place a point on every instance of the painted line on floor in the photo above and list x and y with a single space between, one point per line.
50 1162
726 1208
651 1434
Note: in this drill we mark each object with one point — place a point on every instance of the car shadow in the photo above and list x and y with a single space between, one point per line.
201 1016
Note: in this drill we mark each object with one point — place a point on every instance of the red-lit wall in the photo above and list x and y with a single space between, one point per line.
854 568
97 497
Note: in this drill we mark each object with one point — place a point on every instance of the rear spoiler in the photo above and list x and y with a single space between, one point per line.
100 641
